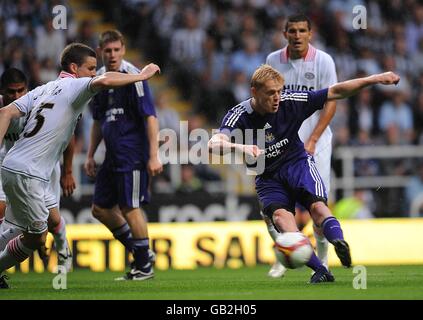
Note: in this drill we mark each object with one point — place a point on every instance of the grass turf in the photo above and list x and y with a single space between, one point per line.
383 282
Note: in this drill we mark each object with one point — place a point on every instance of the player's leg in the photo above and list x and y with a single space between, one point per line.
285 222
19 249
56 223
2 211
57 227
278 204
105 207
332 231
323 165
6 232
2 206
306 187
27 212
312 195
277 270
133 192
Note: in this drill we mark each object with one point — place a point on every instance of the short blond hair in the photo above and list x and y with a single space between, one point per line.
263 73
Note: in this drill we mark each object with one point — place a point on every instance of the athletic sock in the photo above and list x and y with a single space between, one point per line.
8 235
140 251
272 230
14 254
332 229
322 247
123 234
314 262
59 235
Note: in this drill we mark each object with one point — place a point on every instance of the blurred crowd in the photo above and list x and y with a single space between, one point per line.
209 49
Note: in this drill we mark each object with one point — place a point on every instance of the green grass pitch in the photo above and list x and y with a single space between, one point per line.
387 282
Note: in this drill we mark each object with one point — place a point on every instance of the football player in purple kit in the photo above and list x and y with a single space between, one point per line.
290 174
126 119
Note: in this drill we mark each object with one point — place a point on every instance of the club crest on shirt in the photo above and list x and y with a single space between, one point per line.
269 137
309 75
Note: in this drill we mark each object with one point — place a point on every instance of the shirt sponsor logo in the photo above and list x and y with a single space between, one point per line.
112 113
298 87
275 149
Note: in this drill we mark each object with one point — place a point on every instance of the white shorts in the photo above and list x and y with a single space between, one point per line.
25 208
322 160
52 198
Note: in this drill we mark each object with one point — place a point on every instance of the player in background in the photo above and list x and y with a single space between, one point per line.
13 86
306 68
289 175
126 119
52 112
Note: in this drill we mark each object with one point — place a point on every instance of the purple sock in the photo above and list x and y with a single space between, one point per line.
123 234
314 262
332 229
140 252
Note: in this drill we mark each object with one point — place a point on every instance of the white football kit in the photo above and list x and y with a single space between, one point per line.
52 112
313 72
16 126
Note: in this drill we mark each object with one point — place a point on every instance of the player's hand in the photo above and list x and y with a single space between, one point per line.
310 147
89 167
67 182
43 253
252 151
154 166
150 70
388 78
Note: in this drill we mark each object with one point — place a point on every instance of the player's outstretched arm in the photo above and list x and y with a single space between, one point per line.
348 88
6 115
220 144
118 79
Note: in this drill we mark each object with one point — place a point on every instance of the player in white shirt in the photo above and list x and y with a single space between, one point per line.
13 86
306 68
52 111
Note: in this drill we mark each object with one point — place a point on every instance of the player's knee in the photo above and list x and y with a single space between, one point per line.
318 207
319 211
53 222
34 241
97 212
279 215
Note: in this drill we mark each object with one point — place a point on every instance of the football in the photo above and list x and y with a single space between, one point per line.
293 249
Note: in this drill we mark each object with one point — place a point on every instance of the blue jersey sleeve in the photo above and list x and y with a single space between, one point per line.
145 101
305 103
232 120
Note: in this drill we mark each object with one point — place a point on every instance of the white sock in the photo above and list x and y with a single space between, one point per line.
8 235
322 248
59 235
273 233
14 254
271 228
